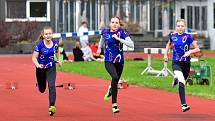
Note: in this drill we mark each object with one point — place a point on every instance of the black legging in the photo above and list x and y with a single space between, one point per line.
115 71
49 75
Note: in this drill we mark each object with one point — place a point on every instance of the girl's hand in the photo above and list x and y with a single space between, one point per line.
165 57
186 54
40 66
60 63
115 37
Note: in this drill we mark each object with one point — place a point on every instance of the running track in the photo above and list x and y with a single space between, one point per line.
85 103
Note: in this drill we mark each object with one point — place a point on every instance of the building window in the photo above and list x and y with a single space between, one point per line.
204 17
190 17
15 9
182 13
25 10
214 14
197 17
38 10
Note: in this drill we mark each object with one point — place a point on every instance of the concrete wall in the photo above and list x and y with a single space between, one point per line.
211 30
2 9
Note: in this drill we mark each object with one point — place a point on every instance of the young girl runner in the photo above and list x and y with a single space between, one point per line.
180 42
114 37
43 58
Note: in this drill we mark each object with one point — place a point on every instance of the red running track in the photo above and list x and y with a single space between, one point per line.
85 103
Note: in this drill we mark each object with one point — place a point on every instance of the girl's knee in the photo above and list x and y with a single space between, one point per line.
42 90
181 84
115 78
180 76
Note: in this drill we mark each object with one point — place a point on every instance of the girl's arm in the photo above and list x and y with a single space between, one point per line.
100 45
168 45
196 49
127 41
34 59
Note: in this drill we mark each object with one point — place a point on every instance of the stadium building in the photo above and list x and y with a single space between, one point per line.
153 17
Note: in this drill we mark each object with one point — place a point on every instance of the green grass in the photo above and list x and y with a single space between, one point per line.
132 73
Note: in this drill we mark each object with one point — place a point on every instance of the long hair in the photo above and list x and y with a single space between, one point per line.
77 45
40 37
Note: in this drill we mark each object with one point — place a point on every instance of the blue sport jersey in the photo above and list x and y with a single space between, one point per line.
46 55
113 48
181 44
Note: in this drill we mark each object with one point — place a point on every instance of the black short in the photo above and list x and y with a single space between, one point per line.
184 67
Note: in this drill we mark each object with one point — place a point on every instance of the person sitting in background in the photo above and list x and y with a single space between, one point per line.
63 56
77 52
88 55
94 48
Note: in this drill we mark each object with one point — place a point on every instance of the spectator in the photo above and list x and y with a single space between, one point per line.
63 56
83 37
88 55
77 52
94 48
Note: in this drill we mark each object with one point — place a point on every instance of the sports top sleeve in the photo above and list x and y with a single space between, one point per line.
126 39
37 47
124 34
56 45
191 39
170 37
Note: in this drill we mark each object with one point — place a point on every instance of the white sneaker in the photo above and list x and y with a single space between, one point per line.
185 107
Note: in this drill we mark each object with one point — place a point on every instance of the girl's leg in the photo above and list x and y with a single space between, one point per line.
51 77
186 70
119 68
185 73
41 79
177 67
178 71
181 88
111 69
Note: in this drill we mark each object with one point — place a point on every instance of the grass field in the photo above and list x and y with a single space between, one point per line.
132 73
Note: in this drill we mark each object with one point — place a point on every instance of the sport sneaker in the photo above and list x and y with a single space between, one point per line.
52 110
115 108
108 94
174 82
185 107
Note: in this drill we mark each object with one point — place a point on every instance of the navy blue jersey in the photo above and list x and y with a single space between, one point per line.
46 55
113 48
181 44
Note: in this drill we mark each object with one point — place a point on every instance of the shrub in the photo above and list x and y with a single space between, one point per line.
24 31
4 33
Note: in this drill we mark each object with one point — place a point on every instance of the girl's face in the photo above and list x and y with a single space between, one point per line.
47 34
114 24
180 27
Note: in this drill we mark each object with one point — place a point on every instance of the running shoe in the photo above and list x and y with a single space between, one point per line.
185 107
52 110
115 108
108 94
